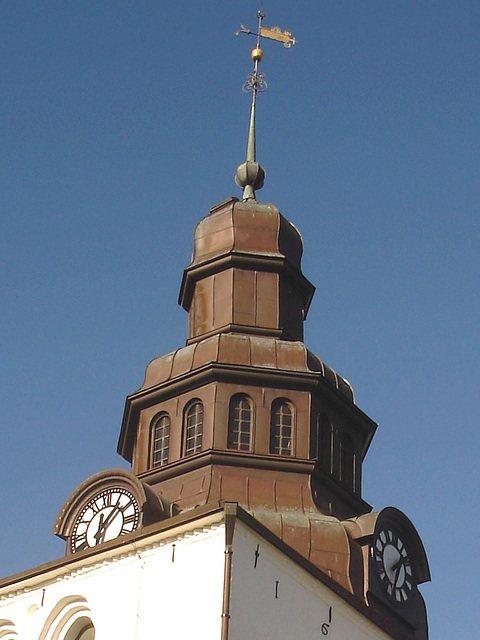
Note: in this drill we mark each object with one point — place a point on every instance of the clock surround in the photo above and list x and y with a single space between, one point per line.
107 515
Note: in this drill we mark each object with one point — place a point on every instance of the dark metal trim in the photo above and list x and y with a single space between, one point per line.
352 499
230 510
227 459
238 260
243 329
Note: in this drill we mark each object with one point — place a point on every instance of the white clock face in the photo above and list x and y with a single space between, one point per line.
393 565
111 513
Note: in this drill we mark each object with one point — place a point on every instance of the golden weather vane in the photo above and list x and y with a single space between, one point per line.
250 175
274 33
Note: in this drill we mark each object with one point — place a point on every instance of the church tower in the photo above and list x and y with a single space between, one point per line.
243 430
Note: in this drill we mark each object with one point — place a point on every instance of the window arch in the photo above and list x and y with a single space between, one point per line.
160 439
69 620
193 428
86 632
81 629
347 461
240 423
282 428
325 442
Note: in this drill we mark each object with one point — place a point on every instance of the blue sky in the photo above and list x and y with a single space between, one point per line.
123 122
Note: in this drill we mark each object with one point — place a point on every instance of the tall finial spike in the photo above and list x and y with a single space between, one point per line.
250 174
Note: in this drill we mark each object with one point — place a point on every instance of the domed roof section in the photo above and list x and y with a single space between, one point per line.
245 275
246 228
245 350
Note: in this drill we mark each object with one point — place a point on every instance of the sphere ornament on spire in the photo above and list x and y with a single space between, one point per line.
250 176
257 54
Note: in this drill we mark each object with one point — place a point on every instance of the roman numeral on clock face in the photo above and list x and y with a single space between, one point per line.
130 519
81 542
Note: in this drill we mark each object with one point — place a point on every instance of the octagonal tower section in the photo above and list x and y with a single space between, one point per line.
245 275
244 412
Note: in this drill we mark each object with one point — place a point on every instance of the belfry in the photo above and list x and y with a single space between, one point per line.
242 514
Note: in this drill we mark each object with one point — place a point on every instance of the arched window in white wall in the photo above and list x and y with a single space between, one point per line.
282 428
160 438
240 423
193 428
7 630
81 629
69 619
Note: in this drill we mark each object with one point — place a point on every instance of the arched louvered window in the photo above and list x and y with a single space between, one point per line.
240 423
193 428
81 629
282 428
160 435
87 634
347 461
325 442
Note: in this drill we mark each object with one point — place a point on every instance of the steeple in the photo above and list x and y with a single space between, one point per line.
245 275
246 403
245 414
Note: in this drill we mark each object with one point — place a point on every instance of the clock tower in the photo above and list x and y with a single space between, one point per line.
243 504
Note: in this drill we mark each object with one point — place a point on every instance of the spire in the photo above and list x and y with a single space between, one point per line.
250 174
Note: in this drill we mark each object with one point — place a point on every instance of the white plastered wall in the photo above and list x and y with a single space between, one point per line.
172 588
279 599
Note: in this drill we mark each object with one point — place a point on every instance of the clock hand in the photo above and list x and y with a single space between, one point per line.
400 561
397 574
111 516
104 523
100 531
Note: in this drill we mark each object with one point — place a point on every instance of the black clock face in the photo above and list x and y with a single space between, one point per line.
109 514
393 565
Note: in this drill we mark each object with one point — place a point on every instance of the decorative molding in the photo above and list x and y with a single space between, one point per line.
85 566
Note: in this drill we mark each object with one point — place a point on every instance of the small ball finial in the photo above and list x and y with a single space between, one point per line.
257 54
250 176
